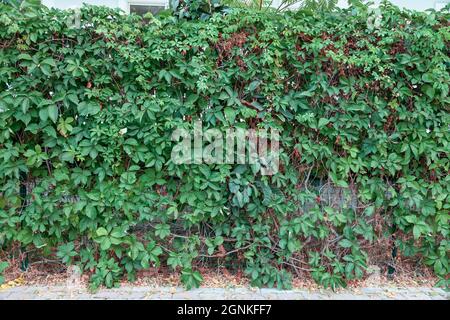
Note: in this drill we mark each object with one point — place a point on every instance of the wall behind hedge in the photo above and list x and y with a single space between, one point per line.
86 117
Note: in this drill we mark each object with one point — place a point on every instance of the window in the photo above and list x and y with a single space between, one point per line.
143 7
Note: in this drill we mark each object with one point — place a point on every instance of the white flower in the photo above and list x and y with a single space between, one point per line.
428 130
123 131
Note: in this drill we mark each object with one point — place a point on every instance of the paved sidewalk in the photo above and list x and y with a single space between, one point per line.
166 293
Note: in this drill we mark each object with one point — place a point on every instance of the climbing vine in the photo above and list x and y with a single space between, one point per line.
87 111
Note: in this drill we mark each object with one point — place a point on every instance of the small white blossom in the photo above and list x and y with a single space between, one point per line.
428 130
123 131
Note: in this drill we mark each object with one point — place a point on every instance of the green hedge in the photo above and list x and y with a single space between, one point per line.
87 114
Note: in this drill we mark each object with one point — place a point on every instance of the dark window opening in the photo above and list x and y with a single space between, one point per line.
143 9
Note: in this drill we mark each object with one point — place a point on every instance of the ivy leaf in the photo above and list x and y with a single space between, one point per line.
43 114
417 231
345 243
253 85
191 279
230 114
66 252
3 266
88 108
162 230
322 123
427 77
53 112
101 232
429 91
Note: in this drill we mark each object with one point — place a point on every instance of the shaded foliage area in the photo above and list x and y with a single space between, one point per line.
86 117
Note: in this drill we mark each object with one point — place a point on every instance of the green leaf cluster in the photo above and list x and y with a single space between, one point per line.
87 114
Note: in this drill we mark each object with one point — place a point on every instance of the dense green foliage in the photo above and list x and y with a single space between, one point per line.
86 117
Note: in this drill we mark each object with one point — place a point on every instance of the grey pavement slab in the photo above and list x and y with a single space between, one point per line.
175 293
